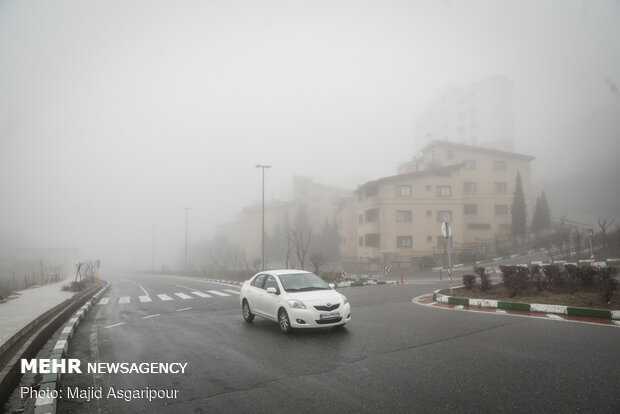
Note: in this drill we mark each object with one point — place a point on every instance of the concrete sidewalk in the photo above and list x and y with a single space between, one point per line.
27 305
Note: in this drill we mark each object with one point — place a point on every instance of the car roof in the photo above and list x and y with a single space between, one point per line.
279 272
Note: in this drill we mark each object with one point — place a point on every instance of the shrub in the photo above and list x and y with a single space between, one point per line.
553 276
572 276
469 281
607 282
485 279
587 275
515 278
538 277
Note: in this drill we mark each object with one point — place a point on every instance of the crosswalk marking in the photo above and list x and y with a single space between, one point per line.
123 300
183 296
164 297
215 292
234 292
145 299
104 301
202 295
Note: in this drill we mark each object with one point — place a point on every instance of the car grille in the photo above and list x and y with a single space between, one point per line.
327 321
327 308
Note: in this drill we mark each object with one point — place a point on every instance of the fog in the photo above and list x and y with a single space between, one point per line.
115 115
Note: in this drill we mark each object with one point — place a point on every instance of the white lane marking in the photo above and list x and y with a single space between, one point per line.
150 316
202 295
234 292
183 296
145 299
185 287
146 293
500 311
164 297
123 300
184 309
116 324
104 301
556 317
215 292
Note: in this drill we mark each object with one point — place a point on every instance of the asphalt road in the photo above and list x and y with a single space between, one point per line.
395 356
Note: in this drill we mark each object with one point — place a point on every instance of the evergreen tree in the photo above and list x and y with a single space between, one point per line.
518 210
542 216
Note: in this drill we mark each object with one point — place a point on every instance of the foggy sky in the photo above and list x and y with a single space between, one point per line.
116 114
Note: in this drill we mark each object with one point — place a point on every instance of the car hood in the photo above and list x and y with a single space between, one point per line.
316 296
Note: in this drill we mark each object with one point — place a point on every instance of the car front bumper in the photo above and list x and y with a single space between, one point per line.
311 318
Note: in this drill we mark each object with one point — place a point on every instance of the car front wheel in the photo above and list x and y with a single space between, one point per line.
284 322
247 313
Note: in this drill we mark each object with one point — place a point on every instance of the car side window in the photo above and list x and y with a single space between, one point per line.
258 281
271 282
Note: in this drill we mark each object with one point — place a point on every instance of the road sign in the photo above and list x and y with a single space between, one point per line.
387 270
590 232
446 230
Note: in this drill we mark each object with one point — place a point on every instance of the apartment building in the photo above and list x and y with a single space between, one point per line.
398 218
479 114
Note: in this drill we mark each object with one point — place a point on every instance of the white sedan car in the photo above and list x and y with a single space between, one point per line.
293 299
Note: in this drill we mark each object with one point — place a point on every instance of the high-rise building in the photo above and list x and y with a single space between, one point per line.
479 114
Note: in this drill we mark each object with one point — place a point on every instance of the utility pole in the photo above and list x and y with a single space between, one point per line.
263 219
187 209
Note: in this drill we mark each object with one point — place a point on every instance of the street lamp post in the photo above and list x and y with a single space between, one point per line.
263 218
187 209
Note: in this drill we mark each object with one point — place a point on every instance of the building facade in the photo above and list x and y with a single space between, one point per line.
398 218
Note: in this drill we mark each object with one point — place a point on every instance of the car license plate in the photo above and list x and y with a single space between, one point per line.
331 315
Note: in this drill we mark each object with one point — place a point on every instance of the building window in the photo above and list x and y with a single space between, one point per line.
469 187
450 154
404 241
499 187
371 240
403 216
360 241
444 191
371 215
501 209
360 219
403 191
429 239
471 208
441 241
499 165
469 164
444 216
429 213
478 226
428 188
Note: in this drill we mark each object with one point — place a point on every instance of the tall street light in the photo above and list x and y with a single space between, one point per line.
263 214
187 209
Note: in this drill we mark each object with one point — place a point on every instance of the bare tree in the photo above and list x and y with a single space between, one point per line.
317 261
300 241
577 239
604 225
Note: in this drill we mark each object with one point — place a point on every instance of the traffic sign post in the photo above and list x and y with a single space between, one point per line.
447 234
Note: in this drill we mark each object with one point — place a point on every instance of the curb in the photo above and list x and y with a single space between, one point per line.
528 307
50 382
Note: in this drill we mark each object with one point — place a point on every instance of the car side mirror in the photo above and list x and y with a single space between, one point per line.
272 290
331 285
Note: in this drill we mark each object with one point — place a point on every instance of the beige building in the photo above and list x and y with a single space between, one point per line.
398 218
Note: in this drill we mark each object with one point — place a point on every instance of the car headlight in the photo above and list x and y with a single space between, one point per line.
345 300
294 303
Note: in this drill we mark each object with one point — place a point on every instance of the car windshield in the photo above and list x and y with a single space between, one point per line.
301 282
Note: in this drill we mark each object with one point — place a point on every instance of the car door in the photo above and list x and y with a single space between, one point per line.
271 300
256 293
